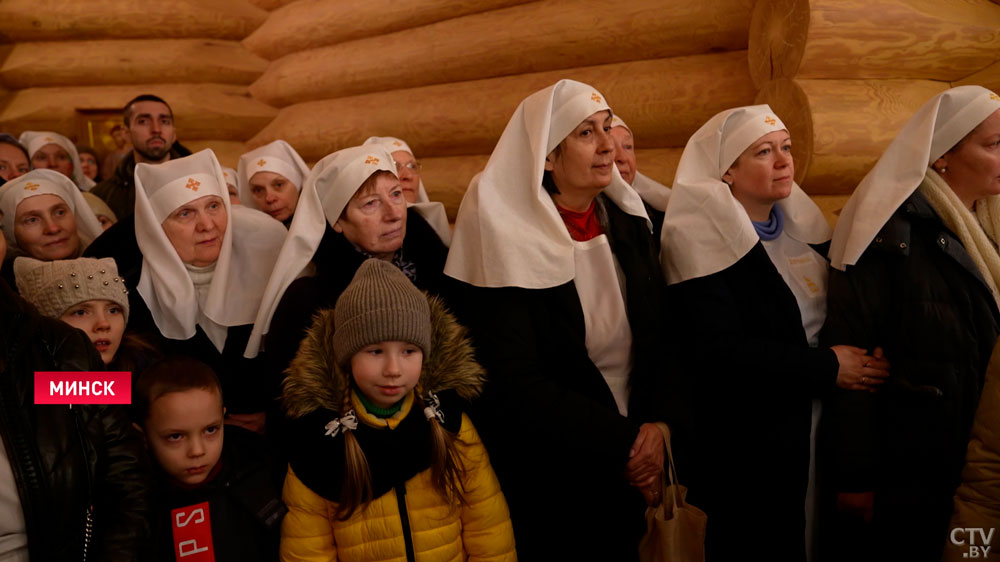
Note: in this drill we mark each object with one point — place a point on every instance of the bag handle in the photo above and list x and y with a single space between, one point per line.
669 475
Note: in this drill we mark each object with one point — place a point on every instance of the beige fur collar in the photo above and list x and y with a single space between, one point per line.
314 381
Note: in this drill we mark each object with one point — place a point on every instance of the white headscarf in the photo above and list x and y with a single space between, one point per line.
432 211
652 192
34 140
328 189
231 178
933 130
249 249
278 157
508 231
705 229
51 182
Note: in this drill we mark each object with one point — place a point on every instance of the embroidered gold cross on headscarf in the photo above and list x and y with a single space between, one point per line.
192 184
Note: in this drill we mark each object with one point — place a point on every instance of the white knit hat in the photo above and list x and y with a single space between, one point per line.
55 286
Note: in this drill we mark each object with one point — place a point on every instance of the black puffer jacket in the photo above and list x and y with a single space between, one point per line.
916 293
65 460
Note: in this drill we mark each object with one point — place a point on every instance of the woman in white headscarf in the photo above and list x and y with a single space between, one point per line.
270 179
197 284
408 170
743 253
232 184
351 209
563 294
55 152
653 193
917 271
44 216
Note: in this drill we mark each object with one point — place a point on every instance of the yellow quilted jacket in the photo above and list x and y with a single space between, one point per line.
479 531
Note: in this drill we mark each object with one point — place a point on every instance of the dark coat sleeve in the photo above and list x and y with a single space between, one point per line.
121 487
854 317
122 493
523 395
719 333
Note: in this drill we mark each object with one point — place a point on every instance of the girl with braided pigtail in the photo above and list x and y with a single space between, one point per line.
383 461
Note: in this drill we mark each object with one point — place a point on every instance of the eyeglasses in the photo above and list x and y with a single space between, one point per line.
411 166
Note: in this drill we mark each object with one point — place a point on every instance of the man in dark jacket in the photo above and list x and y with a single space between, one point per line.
149 125
77 484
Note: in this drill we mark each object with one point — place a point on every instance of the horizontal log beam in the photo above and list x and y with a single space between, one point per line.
664 101
308 24
532 37
128 61
878 39
52 20
217 111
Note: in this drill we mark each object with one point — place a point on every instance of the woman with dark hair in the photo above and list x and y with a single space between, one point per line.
88 163
14 159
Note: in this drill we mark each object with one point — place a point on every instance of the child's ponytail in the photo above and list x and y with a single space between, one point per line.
357 488
447 465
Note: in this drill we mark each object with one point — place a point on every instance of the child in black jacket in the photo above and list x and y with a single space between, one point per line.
214 499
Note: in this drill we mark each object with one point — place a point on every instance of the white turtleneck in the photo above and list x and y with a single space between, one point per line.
201 278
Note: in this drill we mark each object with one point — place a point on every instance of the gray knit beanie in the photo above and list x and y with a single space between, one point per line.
55 286
380 304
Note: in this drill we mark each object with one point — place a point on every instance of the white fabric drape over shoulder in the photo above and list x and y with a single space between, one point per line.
705 229
327 190
508 231
250 247
933 130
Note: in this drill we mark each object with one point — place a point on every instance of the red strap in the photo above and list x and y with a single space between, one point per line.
192 528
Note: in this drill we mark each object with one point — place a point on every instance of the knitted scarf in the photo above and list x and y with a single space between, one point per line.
977 232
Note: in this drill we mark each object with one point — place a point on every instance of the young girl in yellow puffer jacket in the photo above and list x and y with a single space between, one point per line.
384 465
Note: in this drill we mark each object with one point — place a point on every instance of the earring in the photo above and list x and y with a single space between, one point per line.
943 170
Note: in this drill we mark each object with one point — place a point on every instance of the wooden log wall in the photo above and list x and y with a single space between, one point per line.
61 57
846 75
446 75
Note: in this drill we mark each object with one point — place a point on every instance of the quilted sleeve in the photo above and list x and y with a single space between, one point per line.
487 533
307 530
